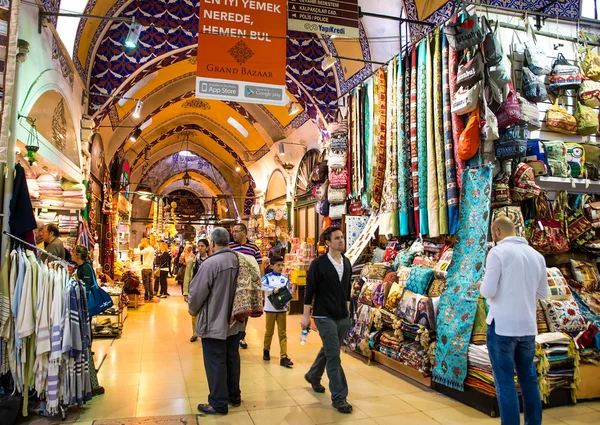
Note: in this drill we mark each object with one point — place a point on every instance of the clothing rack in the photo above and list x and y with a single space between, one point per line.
61 260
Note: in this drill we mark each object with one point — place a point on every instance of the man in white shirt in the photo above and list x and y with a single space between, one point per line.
147 252
515 277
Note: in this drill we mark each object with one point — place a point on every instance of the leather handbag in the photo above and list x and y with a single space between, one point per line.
533 88
468 143
587 120
463 31
98 300
530 113
280 299
471 71
510 111
492 49
558 119
512 142
466 100
589 93
591 61
564 76
546 234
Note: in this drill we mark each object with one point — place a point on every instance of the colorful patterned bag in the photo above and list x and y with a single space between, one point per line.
579 228
564 76
558 289
338 178
464 31
510 111
247 300
524 186
512 142
556 154
530 113
533 87
336 196
501 190
576 159
514 214
587 120
547 235
589 93
319 191
558 119
337 159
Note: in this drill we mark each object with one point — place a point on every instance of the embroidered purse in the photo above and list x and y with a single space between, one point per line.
589 93
547 236
464 34
591 61
338 178
559 120
524 186
510 111
501 191
530 114
337 159
587 120
564 76
336 196
533 88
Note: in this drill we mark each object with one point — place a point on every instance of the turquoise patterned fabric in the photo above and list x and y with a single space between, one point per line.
458 304
404 259
422 135
589 316
369 135
403 154
419 280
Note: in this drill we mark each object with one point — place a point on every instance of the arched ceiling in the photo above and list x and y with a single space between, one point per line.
161 72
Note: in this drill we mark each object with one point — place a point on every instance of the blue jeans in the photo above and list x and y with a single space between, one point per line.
508 353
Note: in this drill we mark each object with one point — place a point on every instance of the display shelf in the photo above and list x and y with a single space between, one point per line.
401 368
118 319
560 183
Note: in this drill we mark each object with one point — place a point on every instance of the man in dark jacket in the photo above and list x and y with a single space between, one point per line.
211 299
328 285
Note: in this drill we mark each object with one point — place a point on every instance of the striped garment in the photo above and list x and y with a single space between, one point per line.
247 248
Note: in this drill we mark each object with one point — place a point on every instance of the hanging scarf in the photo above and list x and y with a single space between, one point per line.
379 145
422 102
355 143
389 207
432 192
439 134
458 304
414 152
410 205
368 138
451 184
458 124
403 154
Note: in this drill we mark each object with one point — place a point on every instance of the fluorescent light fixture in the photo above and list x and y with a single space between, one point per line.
146 124
138 109
239 127
135 135
293 109
144 190
145 198
135 30
328 62
281 149
186 153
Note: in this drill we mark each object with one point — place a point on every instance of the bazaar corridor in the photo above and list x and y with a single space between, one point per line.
154 375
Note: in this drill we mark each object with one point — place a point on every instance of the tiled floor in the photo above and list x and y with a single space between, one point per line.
153 370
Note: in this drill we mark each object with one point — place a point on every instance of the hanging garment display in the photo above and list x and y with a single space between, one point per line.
451 183
422 102
389 206
379 144
458 124
368 140
458 305
414 146
438 118
432 183
408 136
355 148
403 153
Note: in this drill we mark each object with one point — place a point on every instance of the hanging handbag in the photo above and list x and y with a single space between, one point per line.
356 208
280 299
489 125
338 178
576 159
564 76
468 143
339 142
319 191
466 100
98 300
510 111
524 186
463 31
319 173
559 120
512 142
471 71
556 156
591 61
493 94
501 191
337 159
515 215
501 72
530 113
537 60
546 234
579 228
535 147
533 87
323 207
587 120
492 49
592 212
336 196
589 93
337 211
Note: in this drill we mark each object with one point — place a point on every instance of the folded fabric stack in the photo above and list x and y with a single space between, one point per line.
74 195
47 217
34 189
68 223
479 372
557 362
409 330
50 191
589 355
412 354
390 343
131 282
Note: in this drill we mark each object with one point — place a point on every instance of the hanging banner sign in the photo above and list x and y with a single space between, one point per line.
331 17
242 51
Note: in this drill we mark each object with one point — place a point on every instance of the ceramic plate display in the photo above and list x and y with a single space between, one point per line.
270 214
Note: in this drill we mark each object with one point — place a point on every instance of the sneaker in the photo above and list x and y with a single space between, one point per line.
342 406
266 355
286 362
243 344
318 388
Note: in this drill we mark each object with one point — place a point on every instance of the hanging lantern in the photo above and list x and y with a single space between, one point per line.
173 205
186 179
33 143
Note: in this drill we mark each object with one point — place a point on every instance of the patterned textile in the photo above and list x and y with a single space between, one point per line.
586 312
404 259
458 304
557 285
403 148
355 224
378 255
586 274
540 318
355 149
379 142
368 140
432 183
458 125
437 288
389 207
563 316
247 300
480 325
439 134
451 184
422 102
419 280
414 151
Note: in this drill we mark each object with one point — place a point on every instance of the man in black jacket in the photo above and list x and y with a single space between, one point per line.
328 284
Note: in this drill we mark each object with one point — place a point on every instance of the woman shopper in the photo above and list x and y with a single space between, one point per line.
162 262
191 269
181 265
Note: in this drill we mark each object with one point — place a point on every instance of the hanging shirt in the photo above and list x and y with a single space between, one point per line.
269 283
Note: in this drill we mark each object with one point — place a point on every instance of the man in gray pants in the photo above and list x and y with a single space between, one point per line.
328 285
